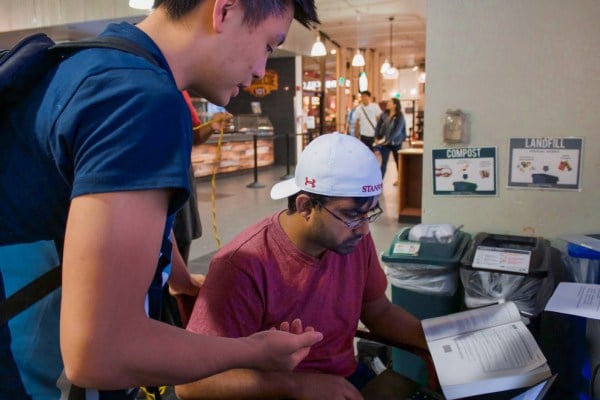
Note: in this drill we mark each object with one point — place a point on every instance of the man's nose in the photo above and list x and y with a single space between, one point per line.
363 228
259 70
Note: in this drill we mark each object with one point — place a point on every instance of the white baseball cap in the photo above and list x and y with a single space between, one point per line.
336 165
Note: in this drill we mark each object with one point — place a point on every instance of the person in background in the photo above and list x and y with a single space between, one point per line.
390 132
351 119
315 260
187 225
366 116
95 163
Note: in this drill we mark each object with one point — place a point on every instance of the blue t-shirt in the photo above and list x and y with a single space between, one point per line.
103 121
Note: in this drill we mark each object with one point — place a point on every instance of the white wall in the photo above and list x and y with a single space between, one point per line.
28 14
520 68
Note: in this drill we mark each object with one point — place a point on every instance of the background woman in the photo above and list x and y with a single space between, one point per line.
390 132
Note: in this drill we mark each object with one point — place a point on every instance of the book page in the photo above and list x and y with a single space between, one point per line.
500 351
582 299
470 320
504 357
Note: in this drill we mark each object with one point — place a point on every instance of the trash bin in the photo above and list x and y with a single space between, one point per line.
577 363
582 262
508 278
498 268
424 281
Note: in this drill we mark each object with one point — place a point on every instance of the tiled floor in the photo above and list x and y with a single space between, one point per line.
238 206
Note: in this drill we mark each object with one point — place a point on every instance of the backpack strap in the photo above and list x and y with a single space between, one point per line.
29 59
29 294
66 49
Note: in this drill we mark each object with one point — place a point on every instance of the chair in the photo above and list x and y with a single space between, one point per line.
432 382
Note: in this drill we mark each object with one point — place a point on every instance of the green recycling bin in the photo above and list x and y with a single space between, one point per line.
424 279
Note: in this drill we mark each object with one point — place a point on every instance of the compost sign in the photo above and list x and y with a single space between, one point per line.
464 171
552 163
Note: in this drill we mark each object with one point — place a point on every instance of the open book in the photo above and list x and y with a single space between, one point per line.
484 350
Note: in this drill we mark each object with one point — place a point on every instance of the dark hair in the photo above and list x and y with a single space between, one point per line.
255 11
366 92
319 200
398 106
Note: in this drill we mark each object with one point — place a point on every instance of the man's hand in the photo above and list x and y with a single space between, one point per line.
281 351
295 327
316 386
220 120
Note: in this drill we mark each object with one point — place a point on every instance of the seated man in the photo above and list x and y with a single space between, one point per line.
315 261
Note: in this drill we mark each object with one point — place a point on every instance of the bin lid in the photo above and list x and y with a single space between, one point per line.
439 254
513 254
578 251
583 246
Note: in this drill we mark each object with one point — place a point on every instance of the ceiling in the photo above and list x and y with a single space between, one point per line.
349 24
365 24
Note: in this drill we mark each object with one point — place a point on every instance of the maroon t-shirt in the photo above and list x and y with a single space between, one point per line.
261 279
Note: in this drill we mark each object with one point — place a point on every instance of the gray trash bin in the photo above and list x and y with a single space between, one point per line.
529 288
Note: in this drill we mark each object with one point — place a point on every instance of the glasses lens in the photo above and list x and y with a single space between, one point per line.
374 214
371 216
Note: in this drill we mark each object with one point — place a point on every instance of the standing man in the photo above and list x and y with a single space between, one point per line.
366 116
315 260
93 166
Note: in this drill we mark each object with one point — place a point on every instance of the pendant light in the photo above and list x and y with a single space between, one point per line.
384 66
358 60
318 48
389 71
141 4
363 81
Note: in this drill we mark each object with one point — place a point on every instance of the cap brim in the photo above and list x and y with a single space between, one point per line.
284 189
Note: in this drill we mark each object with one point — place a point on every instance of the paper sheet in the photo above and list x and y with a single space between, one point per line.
582 299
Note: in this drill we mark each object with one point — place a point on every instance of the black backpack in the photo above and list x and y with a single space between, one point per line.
20 68
25 63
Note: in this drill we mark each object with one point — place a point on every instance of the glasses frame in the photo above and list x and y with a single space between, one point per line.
355 223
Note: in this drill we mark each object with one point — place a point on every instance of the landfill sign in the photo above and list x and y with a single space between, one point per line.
551 163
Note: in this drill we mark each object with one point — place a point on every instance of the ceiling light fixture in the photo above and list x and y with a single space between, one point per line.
318 48
358 60
363 82
389 71
141 4
384 66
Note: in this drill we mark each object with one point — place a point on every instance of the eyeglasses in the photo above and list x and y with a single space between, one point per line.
371 216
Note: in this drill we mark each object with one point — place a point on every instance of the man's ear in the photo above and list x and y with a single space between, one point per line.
304 205
221 11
